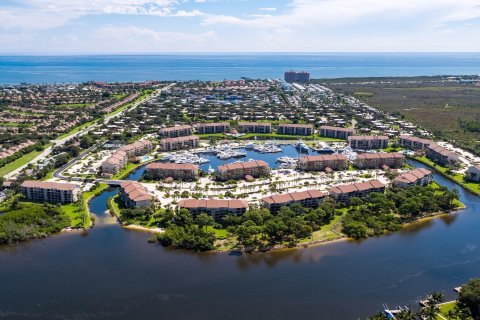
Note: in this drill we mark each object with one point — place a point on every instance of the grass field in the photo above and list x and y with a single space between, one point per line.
19 162
445 308
437 106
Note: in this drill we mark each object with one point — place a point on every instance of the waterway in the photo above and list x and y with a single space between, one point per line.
113 273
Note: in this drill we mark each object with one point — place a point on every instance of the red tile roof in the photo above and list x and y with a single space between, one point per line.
49 185
212 204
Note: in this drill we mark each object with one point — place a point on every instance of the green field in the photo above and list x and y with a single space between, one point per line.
15 124
19 162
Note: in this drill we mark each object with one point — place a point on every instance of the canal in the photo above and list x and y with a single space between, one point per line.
113 273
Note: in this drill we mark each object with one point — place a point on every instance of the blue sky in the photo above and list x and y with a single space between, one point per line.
156 26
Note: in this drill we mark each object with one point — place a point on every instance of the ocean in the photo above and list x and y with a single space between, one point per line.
178 67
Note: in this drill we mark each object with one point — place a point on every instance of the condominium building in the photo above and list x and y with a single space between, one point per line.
441 156
214 127
473 173
117 161
177 171
240 170
114 163
54 192
137 148
176 131
368 142
336 132
414 143
254 127
297 76
308 199
379 160
344 193
213 207
295 129
134 195
322 162
180 143
418 177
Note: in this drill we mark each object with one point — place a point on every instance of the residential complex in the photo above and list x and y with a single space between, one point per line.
379 160
180 143
343 193
323 162
414 143
176 131
336 132
135 195
211 128
254 127
441 156
118 160
368 142
308 199
137 148
240 170
54 192
419 177
177 171
295 129
114 163
213 207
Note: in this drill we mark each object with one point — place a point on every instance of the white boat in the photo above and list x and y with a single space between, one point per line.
250 146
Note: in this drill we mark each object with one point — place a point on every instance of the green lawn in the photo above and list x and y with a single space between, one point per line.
74 105
444 308
15 124
19 162
220 234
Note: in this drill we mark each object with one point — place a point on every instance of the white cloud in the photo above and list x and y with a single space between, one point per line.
271 9
44 14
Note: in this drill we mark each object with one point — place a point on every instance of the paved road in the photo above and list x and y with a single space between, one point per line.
59 142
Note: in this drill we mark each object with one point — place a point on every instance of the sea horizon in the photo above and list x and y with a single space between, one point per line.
16 69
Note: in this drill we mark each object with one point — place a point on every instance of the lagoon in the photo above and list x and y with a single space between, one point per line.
113 273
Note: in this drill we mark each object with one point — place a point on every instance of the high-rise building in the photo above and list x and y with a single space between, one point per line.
297 76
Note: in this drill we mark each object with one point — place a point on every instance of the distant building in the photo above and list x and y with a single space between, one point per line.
137 148
419 177
176 131
336 132
240 170
344 193
297 76
368 142
379 160
213 207
414 143
473 173
115 163
254 127
295 129
134 195
211 128
180 143
441 155
322 162
308 199
177 171
54 192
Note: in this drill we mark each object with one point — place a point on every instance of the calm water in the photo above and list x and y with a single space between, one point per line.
270 158
59 69
112 273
